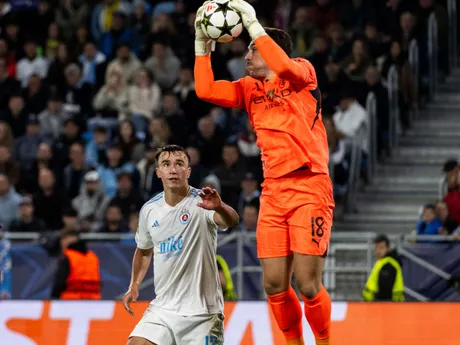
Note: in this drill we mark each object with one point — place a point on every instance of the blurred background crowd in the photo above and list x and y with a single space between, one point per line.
89 90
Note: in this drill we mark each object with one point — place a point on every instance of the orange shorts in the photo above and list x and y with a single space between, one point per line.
295 215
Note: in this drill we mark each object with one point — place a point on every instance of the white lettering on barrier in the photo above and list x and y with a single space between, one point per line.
80 314
244 313
18 310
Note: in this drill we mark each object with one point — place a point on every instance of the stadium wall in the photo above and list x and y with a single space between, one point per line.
246 323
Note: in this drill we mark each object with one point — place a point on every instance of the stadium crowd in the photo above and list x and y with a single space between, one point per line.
90 90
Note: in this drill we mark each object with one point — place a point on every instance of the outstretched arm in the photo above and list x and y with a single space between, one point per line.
297 71
222 93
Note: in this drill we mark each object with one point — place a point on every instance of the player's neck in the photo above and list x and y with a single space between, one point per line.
270 75
176 195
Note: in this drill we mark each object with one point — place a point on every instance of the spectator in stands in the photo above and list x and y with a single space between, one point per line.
44 158
6 136
8 85
250 193
209 140
385 282
119 34
250 217
237 64
94 65
75 171
174 116
30 64
185 91
52 119
77 94
159 132
430 224
69 15
102 16
199 172
150 184
349 118
127 197
70 135
111 102
26 146
109 171
144 100
95 150
125 63
9 166
56 76
163 64
114 220
231 173
448 182
49 201
27 222
442 212
337 159
303 30
372 84
356 63
16 115
407 93
35 95
91 203
131 146
335 80
452 199
9 202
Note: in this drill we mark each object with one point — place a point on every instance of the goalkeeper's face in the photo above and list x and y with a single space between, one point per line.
257 68
173 169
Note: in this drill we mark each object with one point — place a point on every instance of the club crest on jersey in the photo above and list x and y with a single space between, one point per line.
184 217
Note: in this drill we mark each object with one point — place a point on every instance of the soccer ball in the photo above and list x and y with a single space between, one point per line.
220 23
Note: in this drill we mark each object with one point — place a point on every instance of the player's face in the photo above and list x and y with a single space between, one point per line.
257 68
173 169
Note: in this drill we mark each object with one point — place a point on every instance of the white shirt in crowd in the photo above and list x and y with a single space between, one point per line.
184 242
26 68
349 121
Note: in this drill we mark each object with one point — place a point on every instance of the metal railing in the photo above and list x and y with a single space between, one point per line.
414 63
354 173
393 100
453 18
433 54
371 108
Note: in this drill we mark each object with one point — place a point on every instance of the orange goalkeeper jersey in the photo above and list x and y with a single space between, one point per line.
284 111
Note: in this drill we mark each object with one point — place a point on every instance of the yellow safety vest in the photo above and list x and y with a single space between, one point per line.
229 291
372 286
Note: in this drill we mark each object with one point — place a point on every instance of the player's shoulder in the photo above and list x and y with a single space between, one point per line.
154 202
304 62
194 195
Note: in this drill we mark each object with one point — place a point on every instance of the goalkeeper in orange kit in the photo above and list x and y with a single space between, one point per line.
283 102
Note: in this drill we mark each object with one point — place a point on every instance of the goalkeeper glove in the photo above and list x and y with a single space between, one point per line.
249 17
203 44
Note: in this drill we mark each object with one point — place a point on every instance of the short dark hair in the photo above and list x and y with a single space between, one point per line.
429 207
382 239
450 165
172 149
281 38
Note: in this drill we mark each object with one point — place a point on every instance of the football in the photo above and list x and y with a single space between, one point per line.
220 23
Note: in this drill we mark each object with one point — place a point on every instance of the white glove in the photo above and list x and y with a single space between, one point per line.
248 14
203 44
